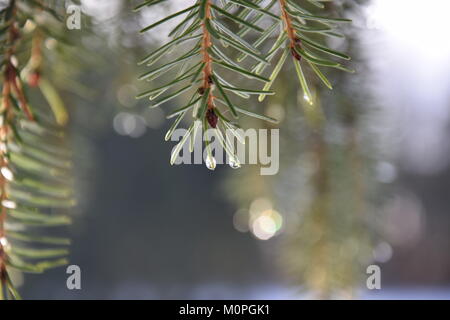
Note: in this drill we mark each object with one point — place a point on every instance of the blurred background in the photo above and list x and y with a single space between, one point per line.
363 180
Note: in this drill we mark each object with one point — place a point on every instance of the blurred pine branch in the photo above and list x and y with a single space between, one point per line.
325 190
34 161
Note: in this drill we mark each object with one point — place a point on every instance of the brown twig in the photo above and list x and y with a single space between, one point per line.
293 39
208 82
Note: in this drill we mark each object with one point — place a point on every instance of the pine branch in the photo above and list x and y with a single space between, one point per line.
34 164
208 25
218 34
297 22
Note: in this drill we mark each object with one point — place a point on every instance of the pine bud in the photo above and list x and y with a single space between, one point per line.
295 54
212 118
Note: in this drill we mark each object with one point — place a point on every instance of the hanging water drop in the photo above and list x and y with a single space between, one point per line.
234 163
210 162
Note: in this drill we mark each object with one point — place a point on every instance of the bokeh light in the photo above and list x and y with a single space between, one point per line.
129 124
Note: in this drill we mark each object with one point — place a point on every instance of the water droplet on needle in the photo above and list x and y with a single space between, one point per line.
234 163
210 162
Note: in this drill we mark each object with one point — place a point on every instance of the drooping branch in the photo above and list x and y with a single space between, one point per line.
9 85
299 24
209 24
9 76
31 181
